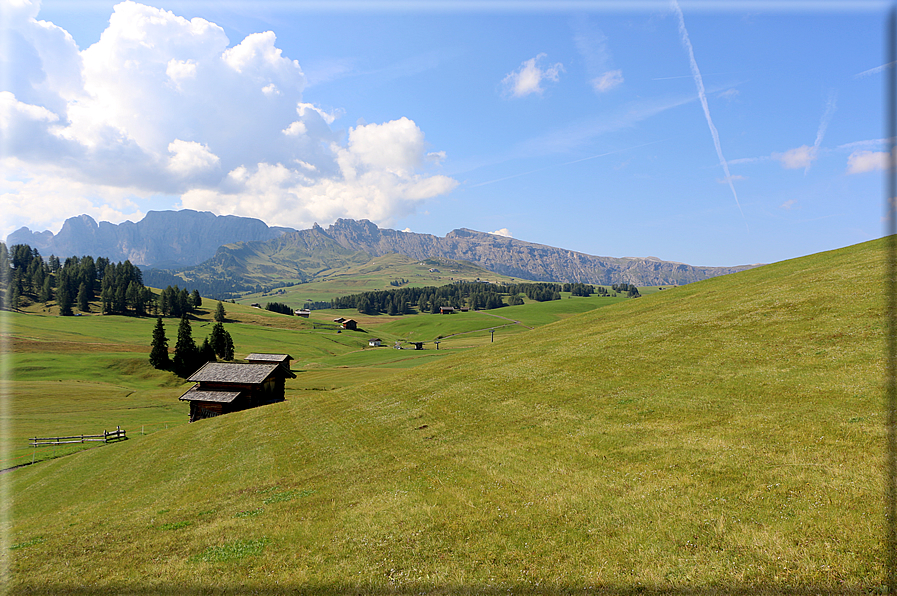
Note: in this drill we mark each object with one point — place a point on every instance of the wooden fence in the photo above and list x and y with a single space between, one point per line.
107 437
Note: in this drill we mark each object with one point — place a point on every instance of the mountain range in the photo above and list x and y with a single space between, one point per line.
162 239
185 240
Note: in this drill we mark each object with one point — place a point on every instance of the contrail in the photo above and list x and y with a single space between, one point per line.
699 83
823 124
872 71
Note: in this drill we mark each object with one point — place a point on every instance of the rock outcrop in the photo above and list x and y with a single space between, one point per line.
162 239
517 258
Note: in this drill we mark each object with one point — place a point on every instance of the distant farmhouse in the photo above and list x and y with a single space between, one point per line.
303 312
346 323
222 388
374 343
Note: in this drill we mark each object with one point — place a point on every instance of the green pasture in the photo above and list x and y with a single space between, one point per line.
375 275
724 437
97 365
535 314
81 407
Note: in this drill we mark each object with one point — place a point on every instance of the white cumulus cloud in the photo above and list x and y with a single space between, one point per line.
502 232
165 106
13 111
190 157
528 78
180 70
860 162
799 157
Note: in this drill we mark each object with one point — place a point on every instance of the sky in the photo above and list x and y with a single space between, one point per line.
709 133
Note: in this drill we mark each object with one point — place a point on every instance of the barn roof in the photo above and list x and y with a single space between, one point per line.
220 372
270 357
223 397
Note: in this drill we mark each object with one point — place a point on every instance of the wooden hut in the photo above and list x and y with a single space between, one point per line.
222 388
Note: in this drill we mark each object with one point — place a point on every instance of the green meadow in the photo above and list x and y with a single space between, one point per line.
722 437
375 275
86 374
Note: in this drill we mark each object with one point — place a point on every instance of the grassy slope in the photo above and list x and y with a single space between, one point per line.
376 275
85 374
726 435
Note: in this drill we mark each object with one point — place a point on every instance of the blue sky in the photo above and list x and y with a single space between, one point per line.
605 128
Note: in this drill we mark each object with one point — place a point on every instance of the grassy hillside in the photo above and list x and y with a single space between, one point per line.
375 274
725 436
82 375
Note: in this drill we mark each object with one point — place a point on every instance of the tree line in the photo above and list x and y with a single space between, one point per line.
475 295
628 289
26 278
279 307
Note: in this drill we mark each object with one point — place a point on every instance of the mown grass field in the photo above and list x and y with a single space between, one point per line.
722 437
87 374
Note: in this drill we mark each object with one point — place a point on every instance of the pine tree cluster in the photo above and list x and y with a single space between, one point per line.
188 358
279 307
176 302
26 278
476 295
628 289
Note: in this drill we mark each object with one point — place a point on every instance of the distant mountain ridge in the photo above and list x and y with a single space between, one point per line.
518 258
191 239
162 239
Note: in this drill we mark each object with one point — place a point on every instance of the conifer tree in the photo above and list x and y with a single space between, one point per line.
228 347
64 299
186 354
217 339
184 301
159 353
46 292
12 296
107 299
221 342
120 299
164 302
206 352
220 314
83 304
